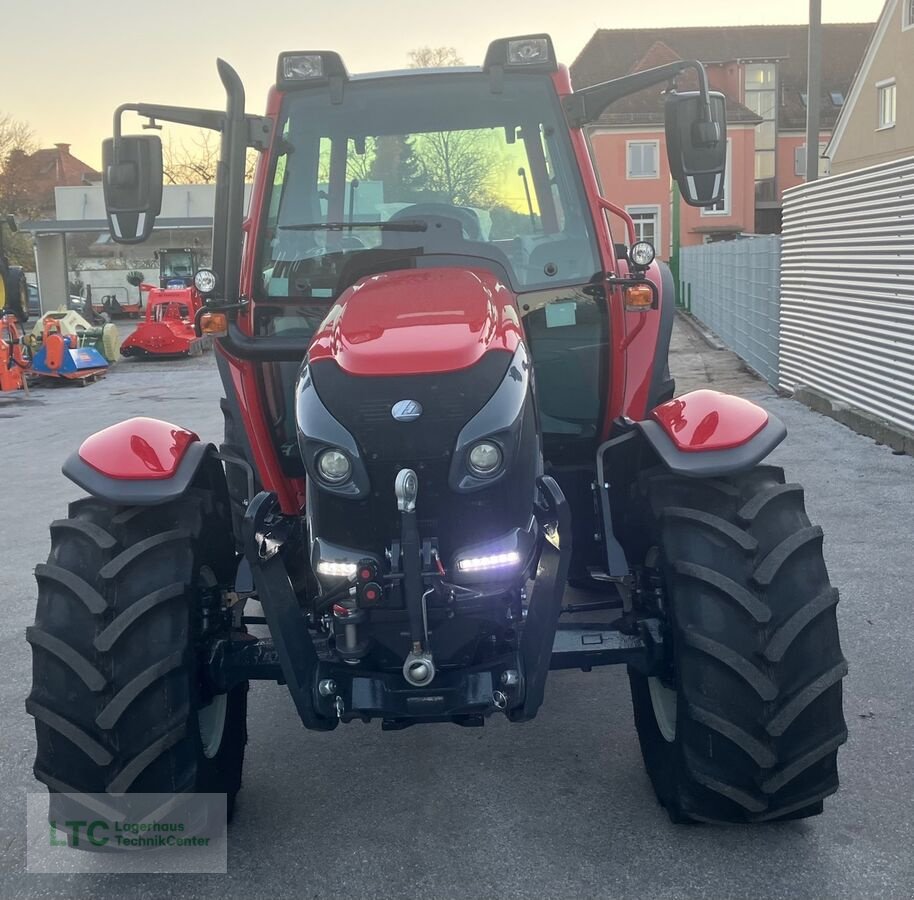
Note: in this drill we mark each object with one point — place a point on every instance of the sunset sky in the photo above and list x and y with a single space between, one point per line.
76 62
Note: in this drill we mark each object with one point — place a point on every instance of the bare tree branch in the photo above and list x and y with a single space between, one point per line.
434 57
196 162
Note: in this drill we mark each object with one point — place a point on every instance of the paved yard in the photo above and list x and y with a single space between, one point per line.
559 807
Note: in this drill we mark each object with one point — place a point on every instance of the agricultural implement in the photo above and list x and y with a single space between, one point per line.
171 308
168 329
62 355
433 426
13 359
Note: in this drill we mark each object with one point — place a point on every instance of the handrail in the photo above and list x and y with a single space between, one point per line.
609 206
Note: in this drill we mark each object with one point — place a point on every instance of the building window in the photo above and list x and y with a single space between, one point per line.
885 103
761 98
837 98
647 224
799 162
722 207
643 159
908 14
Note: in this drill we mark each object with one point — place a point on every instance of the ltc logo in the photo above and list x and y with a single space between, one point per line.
406 410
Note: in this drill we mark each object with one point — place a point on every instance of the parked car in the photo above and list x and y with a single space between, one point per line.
75 302
34 301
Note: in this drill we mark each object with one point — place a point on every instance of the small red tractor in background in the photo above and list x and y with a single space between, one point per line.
443 404
171 308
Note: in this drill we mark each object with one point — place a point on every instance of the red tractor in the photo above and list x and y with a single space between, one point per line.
443 405
167 330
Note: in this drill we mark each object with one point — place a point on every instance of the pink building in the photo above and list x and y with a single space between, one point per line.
762 72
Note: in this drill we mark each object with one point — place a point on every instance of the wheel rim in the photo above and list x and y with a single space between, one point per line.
665 704
211 718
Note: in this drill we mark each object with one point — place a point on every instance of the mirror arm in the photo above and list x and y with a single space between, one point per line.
212 119
587 105
258 127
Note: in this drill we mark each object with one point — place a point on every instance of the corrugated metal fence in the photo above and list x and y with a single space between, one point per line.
847 290
733 288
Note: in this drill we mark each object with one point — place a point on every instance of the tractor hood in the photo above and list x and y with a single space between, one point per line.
412 322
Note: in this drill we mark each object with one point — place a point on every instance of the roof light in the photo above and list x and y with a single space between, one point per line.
309 68
528 52
302 67
480 563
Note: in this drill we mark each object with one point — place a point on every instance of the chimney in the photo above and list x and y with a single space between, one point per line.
63 148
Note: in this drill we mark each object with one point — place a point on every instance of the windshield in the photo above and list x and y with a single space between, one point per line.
177 264
415 171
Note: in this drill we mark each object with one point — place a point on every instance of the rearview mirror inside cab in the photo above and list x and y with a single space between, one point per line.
132 179
697 146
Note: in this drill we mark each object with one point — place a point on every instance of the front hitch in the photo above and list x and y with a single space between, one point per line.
545 605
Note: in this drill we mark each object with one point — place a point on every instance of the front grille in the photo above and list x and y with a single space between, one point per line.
449 400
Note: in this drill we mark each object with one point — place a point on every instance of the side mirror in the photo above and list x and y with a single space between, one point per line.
697 148
132 179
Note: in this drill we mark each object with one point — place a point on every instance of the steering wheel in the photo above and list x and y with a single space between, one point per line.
469 221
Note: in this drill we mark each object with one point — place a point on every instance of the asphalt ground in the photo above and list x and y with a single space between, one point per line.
559 807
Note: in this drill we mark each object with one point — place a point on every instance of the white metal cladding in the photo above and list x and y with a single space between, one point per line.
732 287
847 290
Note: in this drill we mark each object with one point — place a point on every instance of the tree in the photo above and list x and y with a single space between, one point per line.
196 162
434 57
359 165
459 166
17 142
398 168
14 135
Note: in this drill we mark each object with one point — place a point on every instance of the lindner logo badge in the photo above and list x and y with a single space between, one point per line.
406 410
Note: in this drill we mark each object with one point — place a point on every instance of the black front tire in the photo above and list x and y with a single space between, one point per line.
745 723
17 294
117 695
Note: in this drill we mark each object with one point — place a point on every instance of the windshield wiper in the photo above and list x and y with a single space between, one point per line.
405 225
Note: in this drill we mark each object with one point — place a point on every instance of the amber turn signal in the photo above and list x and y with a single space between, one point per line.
639 297
214 323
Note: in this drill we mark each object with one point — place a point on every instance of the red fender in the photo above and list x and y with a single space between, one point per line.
140 461
707 433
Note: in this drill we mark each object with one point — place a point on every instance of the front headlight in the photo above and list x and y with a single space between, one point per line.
484 458
334 466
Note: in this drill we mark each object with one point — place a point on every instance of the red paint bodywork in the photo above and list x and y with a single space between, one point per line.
139 449
633 335
418 322
708 420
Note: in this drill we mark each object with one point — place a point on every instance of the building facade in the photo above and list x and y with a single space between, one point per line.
762 72
877 122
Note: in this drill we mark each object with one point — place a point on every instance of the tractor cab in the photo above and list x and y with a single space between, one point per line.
176 267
